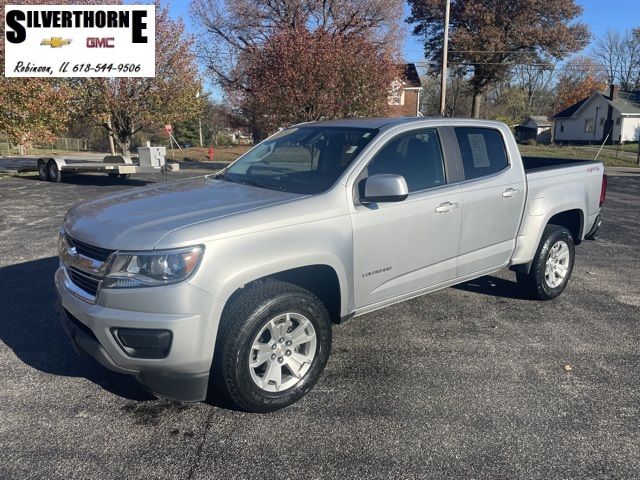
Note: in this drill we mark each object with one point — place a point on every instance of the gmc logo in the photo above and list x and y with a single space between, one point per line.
94 42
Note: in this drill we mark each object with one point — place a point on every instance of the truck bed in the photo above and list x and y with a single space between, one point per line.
538 164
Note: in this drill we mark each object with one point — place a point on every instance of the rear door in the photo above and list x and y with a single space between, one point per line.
493 195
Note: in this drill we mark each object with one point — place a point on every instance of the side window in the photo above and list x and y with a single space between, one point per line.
483 152
417 156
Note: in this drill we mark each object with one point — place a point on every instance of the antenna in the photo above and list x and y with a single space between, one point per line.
602 146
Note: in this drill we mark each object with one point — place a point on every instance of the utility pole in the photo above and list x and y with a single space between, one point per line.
445 52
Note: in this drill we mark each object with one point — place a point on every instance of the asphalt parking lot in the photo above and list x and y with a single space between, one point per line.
468 382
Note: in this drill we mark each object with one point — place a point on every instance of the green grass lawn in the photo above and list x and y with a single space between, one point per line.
201 154
584 152
628 147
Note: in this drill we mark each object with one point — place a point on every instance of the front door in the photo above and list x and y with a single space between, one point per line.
407 246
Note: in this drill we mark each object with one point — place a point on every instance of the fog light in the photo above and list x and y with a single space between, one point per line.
143 342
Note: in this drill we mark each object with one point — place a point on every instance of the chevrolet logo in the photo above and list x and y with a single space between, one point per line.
55 42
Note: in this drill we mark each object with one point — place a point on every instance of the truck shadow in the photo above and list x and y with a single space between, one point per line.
30 328
494 287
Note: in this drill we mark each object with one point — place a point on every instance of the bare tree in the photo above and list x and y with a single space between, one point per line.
536 81
619 54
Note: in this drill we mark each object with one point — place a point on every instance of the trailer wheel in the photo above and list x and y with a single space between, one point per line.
55 175
113 174
125 175
43 173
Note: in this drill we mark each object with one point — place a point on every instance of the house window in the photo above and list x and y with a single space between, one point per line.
396 94
601 121
618 121
588 125
562 126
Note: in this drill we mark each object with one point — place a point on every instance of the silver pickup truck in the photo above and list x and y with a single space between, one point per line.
235 279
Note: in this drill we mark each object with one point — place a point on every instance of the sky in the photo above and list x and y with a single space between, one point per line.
600 15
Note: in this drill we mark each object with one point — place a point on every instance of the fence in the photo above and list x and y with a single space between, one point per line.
70 144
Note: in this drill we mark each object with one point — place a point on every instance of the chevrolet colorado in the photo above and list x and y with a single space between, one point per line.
234 279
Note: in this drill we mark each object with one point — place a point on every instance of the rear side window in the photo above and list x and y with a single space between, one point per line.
416 156
482 151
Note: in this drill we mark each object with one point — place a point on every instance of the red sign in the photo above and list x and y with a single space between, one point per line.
168 129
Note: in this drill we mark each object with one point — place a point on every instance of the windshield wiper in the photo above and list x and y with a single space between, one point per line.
243 181
254 183
222 176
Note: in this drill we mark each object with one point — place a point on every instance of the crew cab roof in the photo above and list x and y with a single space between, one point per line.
385 123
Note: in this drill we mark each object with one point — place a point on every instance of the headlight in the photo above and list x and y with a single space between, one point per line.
146 269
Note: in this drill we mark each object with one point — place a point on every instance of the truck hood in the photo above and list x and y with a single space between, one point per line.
137 219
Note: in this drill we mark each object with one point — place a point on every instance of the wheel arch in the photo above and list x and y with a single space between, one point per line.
569 216
324 280
572 220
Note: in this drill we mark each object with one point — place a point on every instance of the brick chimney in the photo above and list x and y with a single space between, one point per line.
613 92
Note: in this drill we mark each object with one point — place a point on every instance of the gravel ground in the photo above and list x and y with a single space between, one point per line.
468 382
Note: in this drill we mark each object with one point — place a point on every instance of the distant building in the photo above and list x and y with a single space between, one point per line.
536 128
404 95
613 116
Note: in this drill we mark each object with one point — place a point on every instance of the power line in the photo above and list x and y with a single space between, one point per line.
423 63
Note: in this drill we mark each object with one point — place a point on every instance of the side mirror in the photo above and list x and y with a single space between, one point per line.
384 187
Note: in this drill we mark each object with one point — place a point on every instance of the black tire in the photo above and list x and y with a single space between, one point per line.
534 283
55 175
43 171
125 175
246 315
113 174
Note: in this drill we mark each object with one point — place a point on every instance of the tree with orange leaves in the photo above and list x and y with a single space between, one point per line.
124 106
32 109
579 79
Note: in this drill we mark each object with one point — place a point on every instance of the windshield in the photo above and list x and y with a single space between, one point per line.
305 160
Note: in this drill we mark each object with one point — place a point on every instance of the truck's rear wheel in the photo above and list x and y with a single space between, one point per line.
552 264
273 344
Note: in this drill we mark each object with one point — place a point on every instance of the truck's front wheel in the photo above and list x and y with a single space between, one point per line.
552 265
273 344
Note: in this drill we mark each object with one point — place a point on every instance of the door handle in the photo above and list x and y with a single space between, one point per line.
446 207
509 192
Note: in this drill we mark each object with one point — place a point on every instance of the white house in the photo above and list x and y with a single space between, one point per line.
614 116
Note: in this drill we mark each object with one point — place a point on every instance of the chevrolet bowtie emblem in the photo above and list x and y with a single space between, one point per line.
55 42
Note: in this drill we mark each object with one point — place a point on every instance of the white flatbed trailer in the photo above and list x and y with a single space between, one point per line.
150 160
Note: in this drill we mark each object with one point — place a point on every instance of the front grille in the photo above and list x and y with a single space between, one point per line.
86 282
97 253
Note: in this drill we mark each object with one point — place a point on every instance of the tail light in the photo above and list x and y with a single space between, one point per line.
603 190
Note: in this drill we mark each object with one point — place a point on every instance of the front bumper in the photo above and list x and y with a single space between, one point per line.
183 373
